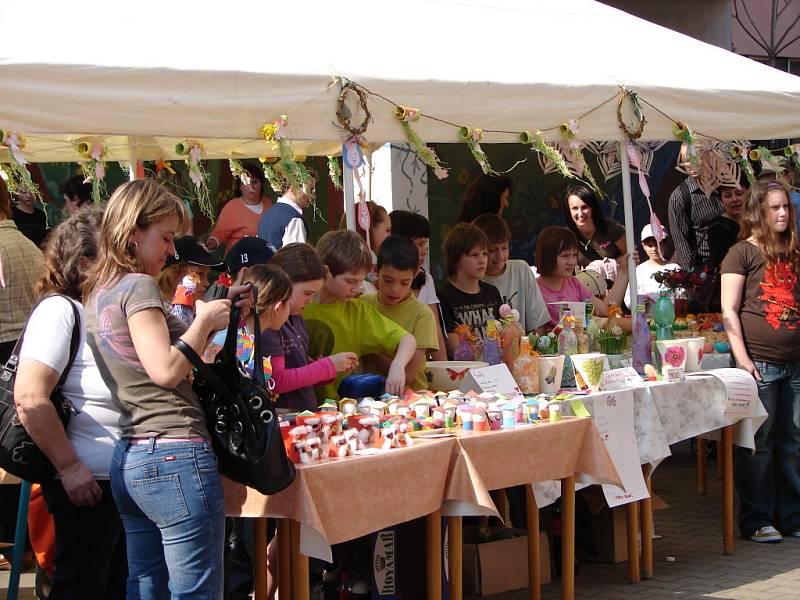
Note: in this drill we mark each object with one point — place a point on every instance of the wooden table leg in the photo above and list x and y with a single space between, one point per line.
260 558
433 554
300 584
646 506
568 538
631 510
284 559
702 463
534 551
455 540
726 452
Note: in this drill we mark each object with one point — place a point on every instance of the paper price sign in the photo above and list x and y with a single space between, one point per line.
616 379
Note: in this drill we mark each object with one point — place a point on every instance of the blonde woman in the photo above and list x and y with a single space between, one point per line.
163 472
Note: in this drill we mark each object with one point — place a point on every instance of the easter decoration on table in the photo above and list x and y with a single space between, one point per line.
492 353
18 179
510 334
93 167
465 349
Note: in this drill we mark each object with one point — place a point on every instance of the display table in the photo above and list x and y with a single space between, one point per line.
667 413
342 499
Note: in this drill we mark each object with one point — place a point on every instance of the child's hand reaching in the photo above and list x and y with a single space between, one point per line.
344 362
396 380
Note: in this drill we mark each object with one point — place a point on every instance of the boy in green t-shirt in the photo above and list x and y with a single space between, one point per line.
398 262
340 322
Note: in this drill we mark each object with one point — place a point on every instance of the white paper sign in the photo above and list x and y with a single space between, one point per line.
616 379
496 379
674 374
613 416
741 389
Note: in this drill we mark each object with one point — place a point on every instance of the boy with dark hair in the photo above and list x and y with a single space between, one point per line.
398 261
465 299
340 322
513 278
416 227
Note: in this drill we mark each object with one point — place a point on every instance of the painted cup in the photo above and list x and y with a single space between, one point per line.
694 353
672 353
551 367
589 370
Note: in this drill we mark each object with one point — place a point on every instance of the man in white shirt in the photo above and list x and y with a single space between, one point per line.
283 223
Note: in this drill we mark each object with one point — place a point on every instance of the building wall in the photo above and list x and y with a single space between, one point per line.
706 20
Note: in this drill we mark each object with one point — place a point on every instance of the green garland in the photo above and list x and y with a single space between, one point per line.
335 172
473 138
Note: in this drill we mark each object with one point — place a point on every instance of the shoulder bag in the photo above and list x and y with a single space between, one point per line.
19 455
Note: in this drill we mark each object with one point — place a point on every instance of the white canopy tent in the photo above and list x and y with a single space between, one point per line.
147 75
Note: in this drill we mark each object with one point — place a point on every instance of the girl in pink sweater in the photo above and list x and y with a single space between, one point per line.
294 373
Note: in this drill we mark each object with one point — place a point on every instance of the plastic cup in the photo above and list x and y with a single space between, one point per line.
589 370
694 353
551 368
672 353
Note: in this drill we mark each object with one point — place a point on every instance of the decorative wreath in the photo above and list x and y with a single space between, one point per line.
631 134
342 113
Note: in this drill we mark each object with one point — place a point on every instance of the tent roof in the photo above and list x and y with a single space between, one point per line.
149 74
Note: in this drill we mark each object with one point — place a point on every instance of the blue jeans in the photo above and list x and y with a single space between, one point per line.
768 481
170 499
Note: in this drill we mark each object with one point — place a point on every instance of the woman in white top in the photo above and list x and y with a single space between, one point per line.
90 543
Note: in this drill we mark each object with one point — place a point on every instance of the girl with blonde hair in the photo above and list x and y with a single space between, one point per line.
163 472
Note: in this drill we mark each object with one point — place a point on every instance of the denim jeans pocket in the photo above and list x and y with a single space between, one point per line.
770 372
160 498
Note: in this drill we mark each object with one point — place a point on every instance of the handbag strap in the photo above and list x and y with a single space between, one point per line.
74 342
229 347
203 369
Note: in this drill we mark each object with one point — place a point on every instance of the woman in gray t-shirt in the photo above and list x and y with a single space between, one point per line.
163 473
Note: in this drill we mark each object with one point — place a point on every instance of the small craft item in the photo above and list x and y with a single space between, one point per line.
525 368
495 416
555 412
18 178
672 353
465 349
550 371
532 410
480 421
184 299
328 406
335 172
192 150
366 427
389 437
694 353
589 370
93 167
340 444
544 409
313 449
567 345
510 334
642 345
492 353
509 416
348 406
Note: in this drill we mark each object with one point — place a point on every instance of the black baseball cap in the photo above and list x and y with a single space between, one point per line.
189 250
247 252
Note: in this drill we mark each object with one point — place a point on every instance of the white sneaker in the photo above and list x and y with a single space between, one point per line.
767 534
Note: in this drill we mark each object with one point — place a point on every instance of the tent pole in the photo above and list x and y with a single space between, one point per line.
630 239
349 196
133 164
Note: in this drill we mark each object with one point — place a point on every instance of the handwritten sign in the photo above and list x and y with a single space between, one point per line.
674 374
617 379
741 390
613 416
496 379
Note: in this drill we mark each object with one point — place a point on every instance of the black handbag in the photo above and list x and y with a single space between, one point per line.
19 455
240 415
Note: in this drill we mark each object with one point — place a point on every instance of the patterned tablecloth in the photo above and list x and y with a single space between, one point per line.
667 413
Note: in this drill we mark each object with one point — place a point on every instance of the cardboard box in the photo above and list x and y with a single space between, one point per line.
609 528
384 564
499 563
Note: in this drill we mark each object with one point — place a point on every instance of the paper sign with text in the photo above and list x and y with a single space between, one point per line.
616 379
613 416
674 374
496 379
741 389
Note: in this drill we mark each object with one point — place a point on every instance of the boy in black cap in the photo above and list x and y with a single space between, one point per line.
189 257
245 253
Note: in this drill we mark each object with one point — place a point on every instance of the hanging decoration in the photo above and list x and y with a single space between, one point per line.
631 133
685 135
237 170
573 154
739 152
93 167
793 153
335 172
193 151
473 138
164 165
769 162
608 160
269 164
550 153
18 177
406 116
291 170
712 167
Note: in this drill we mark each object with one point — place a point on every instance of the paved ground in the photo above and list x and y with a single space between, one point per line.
691 533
